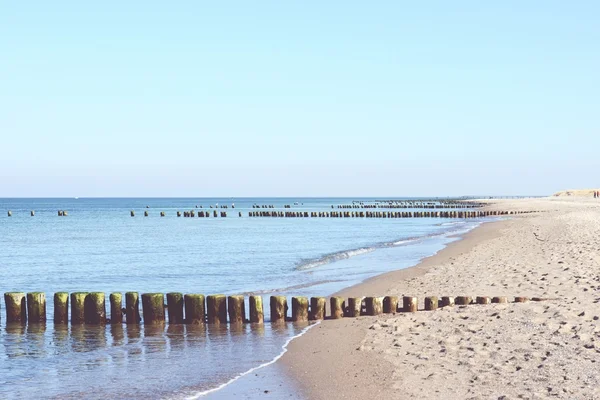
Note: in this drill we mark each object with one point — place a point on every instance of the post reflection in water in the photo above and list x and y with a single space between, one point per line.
132 361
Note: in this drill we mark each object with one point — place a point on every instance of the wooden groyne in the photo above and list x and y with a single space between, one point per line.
90 307
383 214
411 204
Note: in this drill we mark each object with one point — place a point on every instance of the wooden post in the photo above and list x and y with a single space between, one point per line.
162 213
299 309
317 308
256 309
132 308
279 308
61 308
175 308
431 303
410 304
16 309
354 306
521 299
390 304
95 309
194 309
337 305
132 213
237 309
32 213
145 213
116 308
78 307
216 309
483 300
36 307
153 308
9 213
447 301
373 305
463 300
500 299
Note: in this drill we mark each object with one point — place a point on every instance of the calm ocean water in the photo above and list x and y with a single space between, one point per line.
99 247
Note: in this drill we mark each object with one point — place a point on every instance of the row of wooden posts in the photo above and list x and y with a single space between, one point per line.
382 214
410 205
90 308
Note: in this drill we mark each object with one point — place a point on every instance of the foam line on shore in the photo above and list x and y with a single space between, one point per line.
251 370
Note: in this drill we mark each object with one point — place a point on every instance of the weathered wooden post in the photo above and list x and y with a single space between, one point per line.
431 303
9 213
373 305
116 308
216 309
78 307
236 309
61 308
162 213
36 307
32 213
354 306
16 309
256 309
145 213
317 308
60 213
153 308
500 299
337 305
299 309
447 301
179 213
483 300
521 299
463 300
132 308
95 309
175 308
279 308
132 213
410 304
194 309
390 304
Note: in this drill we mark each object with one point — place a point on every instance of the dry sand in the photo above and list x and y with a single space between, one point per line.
548 349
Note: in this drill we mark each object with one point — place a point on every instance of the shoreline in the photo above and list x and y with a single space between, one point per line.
447 353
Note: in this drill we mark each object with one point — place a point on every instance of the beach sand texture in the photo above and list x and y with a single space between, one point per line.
548 349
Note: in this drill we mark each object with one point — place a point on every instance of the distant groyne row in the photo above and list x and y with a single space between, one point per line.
448 205
90 307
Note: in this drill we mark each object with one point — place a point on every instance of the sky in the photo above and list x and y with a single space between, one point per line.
272 98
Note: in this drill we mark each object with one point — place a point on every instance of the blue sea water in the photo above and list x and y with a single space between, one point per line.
99 247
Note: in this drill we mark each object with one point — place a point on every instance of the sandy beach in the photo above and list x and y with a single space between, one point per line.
547 349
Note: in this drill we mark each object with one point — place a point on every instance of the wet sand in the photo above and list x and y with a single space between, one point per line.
548 349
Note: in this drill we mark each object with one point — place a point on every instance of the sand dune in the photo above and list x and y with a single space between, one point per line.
576 193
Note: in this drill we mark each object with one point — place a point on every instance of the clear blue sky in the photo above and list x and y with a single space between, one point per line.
191 98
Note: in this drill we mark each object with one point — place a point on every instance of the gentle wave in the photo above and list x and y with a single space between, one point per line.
251 370
290 288
333 257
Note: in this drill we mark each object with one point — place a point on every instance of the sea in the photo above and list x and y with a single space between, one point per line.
100 247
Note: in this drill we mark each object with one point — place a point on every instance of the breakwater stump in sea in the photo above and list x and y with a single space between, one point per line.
36 307
60 213
194 309
116 308
463 300
317 308
32 213
299 309
256 309
61 308
132 213
521 299
145 213
153 308
354 308
132 308
78 307
179 213
500 299
390 304
237 309
483 300
337 305
9 213
95 308
431 303
447 301
410 304
16 309
216 309
175 307
279 308
373 305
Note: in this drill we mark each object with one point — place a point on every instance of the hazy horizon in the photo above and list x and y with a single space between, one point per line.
339 99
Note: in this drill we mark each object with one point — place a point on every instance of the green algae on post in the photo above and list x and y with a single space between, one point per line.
354 306
132 308
16 310
256 309
175 308
337 305
78 307
373 305
153 306
216 309
317 308
279 308
116 308
36 307
390 304
299 309
95 309
237 309
194 309
61 308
